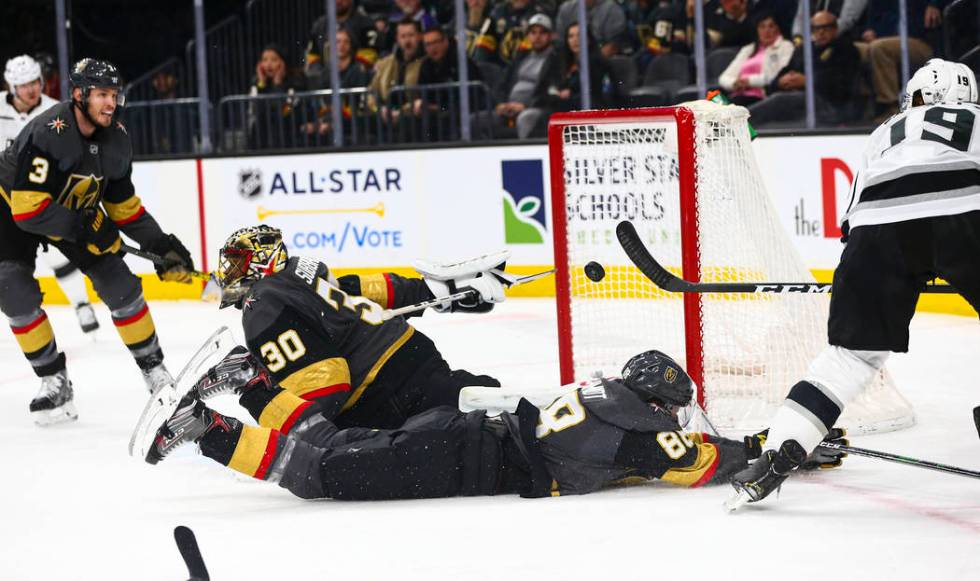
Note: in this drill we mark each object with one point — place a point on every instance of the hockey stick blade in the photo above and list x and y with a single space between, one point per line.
901 459
637 252
976 418
191 552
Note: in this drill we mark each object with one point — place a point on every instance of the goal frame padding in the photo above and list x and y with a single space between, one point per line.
691 261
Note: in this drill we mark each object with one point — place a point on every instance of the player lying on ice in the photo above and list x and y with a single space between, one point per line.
598 433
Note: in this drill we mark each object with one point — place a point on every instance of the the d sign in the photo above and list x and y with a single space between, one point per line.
828 168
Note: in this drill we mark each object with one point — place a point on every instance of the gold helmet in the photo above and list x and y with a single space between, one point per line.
247 256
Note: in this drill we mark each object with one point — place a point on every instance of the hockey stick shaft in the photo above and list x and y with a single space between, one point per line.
392 313
155 259
637 252
901 459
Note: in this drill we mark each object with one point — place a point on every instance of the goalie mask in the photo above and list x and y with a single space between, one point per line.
657 378
248 255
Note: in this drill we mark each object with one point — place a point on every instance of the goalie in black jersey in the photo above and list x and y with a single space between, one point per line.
598 433
324 341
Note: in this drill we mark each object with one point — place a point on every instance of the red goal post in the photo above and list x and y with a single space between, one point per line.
684 118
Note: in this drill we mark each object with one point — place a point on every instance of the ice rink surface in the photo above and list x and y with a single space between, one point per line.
75 506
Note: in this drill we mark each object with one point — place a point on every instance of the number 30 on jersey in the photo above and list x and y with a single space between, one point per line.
288 347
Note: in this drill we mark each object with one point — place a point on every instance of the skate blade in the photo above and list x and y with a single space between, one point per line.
161 406
737 501
59 415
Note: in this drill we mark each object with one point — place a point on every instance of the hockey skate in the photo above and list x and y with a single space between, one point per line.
86 318
236 373
157 377
188 424
765 475
53 403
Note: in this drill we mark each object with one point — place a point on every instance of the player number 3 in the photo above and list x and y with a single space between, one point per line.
287 347
40 173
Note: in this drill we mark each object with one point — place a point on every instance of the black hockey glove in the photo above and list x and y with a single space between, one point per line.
827 458
754 444
96 232
177 263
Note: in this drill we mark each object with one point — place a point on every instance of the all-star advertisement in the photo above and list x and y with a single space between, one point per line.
348 210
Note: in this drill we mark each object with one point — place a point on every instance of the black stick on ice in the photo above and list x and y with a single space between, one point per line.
187 545
901 459
660 276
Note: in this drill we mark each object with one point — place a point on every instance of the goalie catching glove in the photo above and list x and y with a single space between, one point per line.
820 459
484 276
177 263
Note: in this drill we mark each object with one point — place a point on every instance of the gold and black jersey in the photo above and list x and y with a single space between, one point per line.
51 172
323 339
602 433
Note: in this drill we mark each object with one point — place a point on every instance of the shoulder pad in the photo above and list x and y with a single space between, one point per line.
614 403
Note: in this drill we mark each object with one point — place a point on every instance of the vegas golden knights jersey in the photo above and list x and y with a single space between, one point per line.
325 340
603 433
51 172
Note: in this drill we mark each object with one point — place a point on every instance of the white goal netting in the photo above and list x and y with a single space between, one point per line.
752 347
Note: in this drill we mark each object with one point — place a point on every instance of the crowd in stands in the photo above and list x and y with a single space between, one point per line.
395 61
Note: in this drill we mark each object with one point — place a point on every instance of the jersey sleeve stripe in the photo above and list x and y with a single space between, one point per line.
28 204
699 472
323 374
125 212
391 291
369 378
378 288
324 392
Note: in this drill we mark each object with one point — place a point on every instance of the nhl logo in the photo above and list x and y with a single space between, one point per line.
250 182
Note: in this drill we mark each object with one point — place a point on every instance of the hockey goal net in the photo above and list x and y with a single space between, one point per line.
687 178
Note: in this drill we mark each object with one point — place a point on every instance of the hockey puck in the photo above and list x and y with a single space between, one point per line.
594 271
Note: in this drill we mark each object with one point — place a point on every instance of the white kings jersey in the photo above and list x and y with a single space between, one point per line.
12 120
921 163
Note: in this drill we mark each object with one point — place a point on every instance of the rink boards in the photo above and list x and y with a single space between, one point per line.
374 211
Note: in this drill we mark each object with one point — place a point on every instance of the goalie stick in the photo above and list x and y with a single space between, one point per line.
392 313
741 498
191 552
637 252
